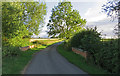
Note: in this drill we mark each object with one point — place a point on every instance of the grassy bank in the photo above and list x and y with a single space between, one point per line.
80 61
15 64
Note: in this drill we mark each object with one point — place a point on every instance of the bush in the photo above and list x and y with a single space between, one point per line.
87 40
102 53
10 51
107 56
11 46
67 45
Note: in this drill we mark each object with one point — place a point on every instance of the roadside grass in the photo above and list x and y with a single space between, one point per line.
15 64
80 62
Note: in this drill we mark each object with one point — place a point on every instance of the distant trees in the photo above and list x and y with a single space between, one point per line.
64 21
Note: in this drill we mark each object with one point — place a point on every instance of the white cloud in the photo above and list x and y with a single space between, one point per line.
43 35
105 26
95 13
92 13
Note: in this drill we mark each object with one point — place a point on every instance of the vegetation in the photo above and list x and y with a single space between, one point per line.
88 40
112 7
103 53
79 61
17 63
64 21
20 20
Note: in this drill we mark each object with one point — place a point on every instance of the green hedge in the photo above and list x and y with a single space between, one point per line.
102 53
10 47
107 56
10 51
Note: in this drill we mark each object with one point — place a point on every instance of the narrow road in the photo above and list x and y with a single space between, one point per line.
49 61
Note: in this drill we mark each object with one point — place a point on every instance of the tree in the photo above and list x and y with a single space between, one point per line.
64 21
112 8
20 19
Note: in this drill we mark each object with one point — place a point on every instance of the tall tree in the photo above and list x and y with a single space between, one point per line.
64 21
21 19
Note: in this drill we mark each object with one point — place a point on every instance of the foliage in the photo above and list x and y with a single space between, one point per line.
103 53
10 51
112 7
107 56
86 39
13 49
20 20
80 61
64 21
18 63
22 16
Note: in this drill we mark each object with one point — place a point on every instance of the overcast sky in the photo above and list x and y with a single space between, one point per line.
89 10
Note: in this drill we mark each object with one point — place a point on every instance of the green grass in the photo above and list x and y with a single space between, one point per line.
80 61
15 64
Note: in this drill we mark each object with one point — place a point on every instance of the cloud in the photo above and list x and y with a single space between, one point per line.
105 26
95 17
91 11
43 35
95 13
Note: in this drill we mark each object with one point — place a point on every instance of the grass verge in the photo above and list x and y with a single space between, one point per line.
15 64
80 62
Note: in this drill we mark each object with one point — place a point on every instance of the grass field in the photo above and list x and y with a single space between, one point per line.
15 64
80 61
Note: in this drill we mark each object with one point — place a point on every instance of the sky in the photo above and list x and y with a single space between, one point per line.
89 10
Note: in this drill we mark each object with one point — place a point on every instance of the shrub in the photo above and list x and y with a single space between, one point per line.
88 40
10 51
102 53
67 45
11 46
107 56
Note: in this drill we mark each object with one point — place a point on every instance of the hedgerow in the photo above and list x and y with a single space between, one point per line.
101 53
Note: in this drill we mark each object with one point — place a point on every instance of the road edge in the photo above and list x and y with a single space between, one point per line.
26 66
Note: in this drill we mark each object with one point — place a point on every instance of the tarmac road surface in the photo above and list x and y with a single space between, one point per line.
49 61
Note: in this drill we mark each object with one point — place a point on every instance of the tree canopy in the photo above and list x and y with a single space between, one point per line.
64 21
21 19
112 9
